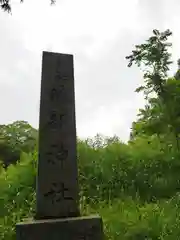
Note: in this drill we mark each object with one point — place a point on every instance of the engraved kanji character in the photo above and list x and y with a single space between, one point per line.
61 77
54 94
57 155
57 193
55 119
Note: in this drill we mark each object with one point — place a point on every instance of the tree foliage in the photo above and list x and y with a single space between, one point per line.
161 115
138 176
154 57
16 138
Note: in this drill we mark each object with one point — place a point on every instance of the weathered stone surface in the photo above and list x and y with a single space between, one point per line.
57 185
80 228
57 211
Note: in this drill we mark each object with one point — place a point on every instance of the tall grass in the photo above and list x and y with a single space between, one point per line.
134 187
135 169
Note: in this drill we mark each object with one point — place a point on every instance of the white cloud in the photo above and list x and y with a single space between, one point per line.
90 25
99 34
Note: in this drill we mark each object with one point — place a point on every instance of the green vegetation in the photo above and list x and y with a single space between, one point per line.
135 187
15 138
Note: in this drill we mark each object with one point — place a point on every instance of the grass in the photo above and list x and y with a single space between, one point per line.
130 219
135 188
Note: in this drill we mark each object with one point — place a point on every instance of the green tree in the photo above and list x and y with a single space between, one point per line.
16 138
154 57
161 113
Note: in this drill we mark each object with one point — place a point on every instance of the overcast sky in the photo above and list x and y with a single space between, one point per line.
99 33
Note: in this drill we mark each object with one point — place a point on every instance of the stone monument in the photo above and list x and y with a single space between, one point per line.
57 209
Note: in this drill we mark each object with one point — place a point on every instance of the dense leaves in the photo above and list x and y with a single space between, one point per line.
133 187
161 115
154 57
15 138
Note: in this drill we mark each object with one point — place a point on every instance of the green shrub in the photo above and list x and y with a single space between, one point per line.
131 220
118 169
117 180
16 194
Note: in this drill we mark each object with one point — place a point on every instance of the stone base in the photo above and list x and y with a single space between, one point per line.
79 228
